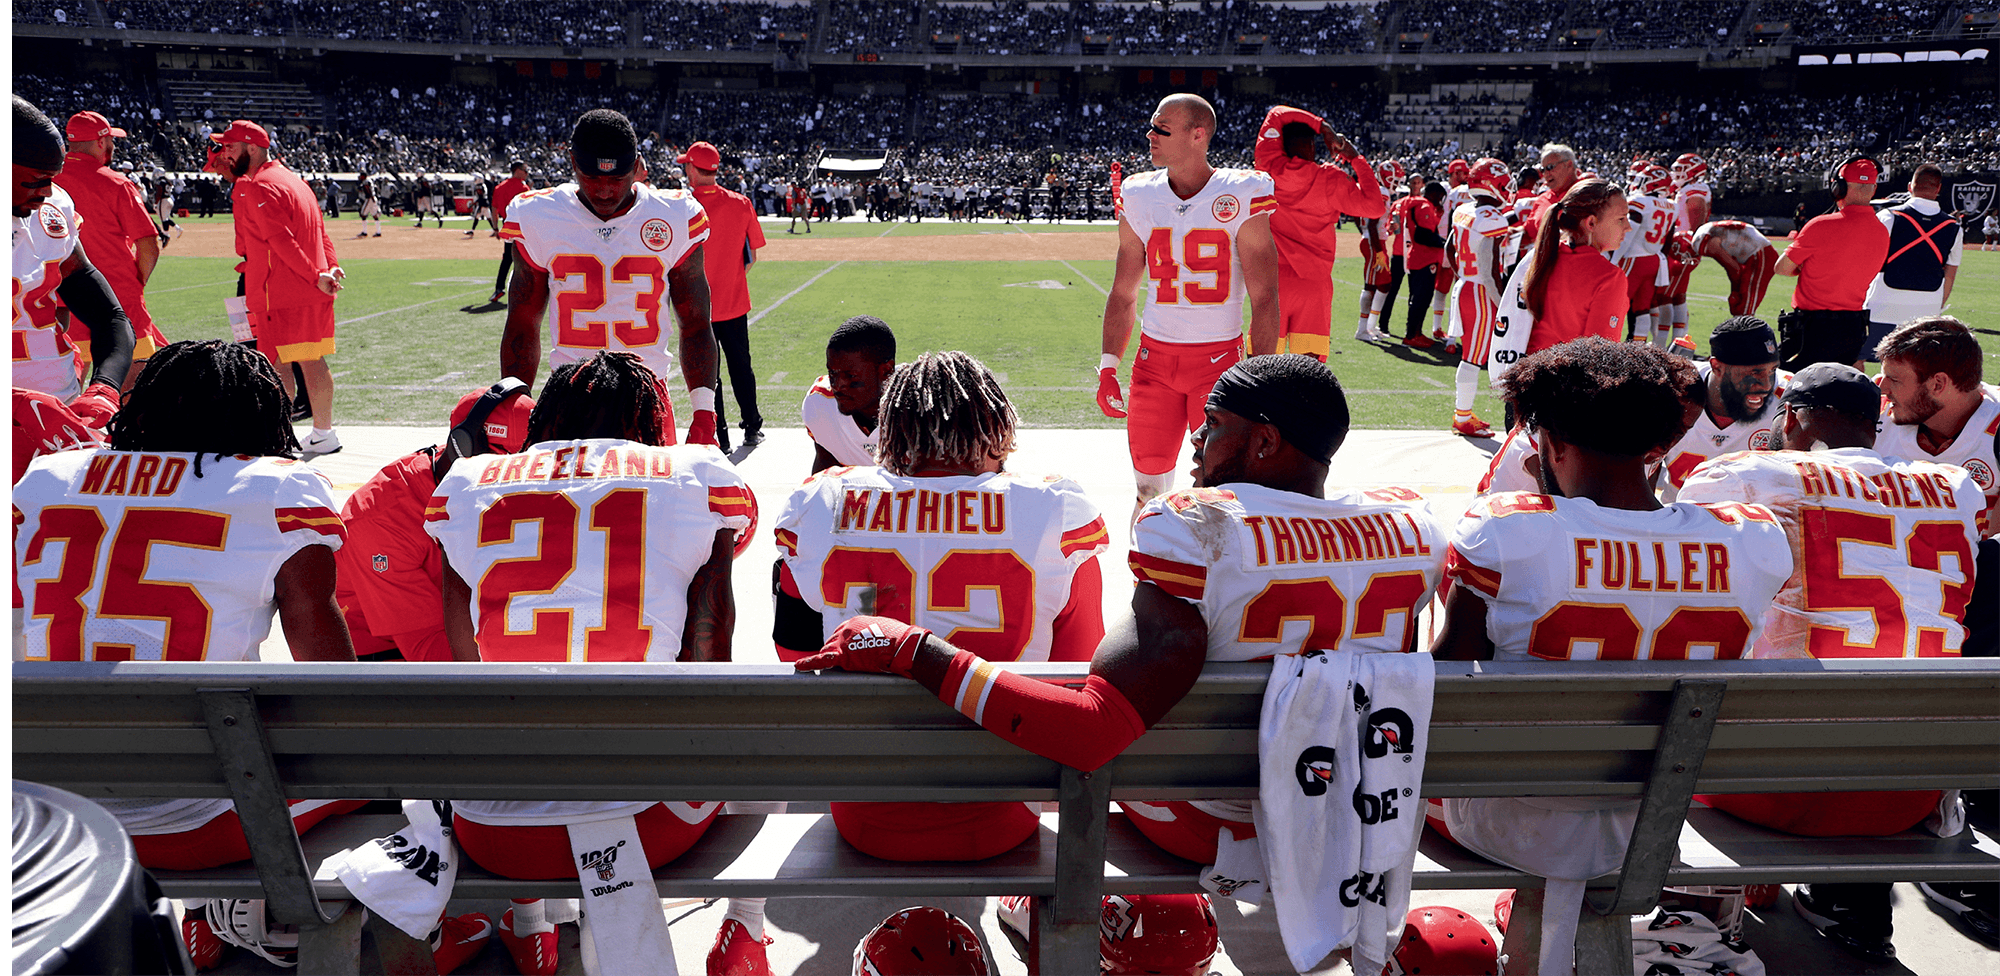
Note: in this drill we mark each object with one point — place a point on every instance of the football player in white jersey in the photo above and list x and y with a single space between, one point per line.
1640 256
1291 552
1457 194
1198 240
1938 410
1884 549
841 411
1746 256
606 256
1691 191
49 263
1743 381
1479 229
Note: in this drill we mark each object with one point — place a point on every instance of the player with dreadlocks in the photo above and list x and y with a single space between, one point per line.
648 531
1595 568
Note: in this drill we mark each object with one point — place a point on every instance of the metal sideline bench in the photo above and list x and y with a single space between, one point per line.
261 733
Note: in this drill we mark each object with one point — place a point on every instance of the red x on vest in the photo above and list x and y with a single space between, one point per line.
1923 237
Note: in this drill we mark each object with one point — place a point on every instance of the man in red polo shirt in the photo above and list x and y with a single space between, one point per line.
1835 258
504 194
117 230
291 272
733 239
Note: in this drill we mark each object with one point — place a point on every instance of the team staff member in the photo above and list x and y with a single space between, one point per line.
1311 197
1559 172
117 230
503 196
1926 246
292 274
1833 258
1572 289
733 239
1203 237
1424 225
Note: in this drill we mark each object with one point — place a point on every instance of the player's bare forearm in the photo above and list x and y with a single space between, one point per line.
822 458
1121 306
146 253
1464 635
711 614
303 591
687 286
1258 252
458 628
1786 266
521 342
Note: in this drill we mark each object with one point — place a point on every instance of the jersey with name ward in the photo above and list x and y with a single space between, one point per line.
1278 572
1195 288
132 556
1883 549
986 561
583 550
607 278
836 431
1567 579
43 358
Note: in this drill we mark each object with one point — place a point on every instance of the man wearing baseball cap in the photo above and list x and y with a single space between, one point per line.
733 239
291 272
117 230
1834 257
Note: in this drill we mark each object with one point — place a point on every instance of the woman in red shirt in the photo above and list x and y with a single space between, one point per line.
1571 288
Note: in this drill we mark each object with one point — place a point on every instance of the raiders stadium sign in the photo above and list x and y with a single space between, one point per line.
1971 196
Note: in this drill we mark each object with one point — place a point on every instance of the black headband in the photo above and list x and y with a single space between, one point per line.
1743 347
1301 422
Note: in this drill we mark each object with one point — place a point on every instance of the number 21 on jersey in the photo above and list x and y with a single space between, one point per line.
1203 250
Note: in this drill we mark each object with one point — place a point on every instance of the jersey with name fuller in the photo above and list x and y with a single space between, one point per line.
129 556
43 358
1476 229
1705 440
985 561
1972 450
1194 288
1567 579
607 278
583 550
1883 549
836 431
1277 572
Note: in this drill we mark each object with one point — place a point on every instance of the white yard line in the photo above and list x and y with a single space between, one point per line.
205 284
392 311
1073 268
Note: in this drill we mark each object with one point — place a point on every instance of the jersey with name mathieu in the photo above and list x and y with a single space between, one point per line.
1883 548
583 550
1567 579
1973 449
1277 572
1194 287
607 278
129 556
43 358
985 561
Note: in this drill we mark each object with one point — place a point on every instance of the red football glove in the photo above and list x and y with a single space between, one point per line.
95 405
1110 398
701 429
868 644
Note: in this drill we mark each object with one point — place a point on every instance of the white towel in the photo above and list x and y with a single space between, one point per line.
1393 738
407 876
1567 840
1686 944
1238 871
623 930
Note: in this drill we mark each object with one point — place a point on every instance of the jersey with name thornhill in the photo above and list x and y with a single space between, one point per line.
836 431
1973 449
1277 572
1882 548
43 240
1565 579
607 278
583 550
985 561
1194 286
1707 440
130 556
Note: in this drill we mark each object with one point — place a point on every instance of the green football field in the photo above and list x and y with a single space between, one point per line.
415 335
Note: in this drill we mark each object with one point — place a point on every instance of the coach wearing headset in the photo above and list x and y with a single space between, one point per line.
1834 257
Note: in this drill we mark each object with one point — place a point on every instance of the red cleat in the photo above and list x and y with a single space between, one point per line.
1471 427
459 939
204 946
534 954
737 953
1419 341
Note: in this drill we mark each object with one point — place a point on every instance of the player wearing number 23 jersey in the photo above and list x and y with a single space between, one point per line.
43 357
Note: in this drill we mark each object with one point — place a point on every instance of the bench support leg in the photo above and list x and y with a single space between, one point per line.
1656 834
1066 934
399 954
237 731
1603 944
1522 945
334 948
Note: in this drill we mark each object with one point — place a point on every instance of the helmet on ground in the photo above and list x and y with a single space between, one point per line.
1441 941
1490 174
1166 934
1689 167
920 941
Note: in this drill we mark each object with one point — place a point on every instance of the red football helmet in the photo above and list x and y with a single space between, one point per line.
1656 180
1458 169
1689 167
1169 934
1492 175
1440 941
920 941
1389 171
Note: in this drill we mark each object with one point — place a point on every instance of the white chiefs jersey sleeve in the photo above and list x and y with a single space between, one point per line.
1477 227
1682 197
160 556
43 357
1276 572
1652 226
1509 469
1973 449
836 431
1194 287
607 278
1566 579
583 550
1883 549
1707 440
1736 238
984 561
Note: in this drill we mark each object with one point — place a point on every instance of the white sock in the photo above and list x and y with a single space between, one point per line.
529 918
1468 385
1681 315
750 912
1642 325
1367 305
1150 486
322 431
1381 299
1680 330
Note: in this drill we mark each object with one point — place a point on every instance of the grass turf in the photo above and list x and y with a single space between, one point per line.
415 335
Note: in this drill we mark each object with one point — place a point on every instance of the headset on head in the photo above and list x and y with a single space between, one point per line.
468 437
1837 186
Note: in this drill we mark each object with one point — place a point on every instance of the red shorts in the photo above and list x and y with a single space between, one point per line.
1305 306
1477 314
1874 814
1371 276
541 852
1747 286
298 334
934 831
1640 273
220 841
1186 831
365 641
1678 275
1169 396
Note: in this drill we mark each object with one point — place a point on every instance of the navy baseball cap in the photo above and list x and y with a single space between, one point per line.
1834 386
